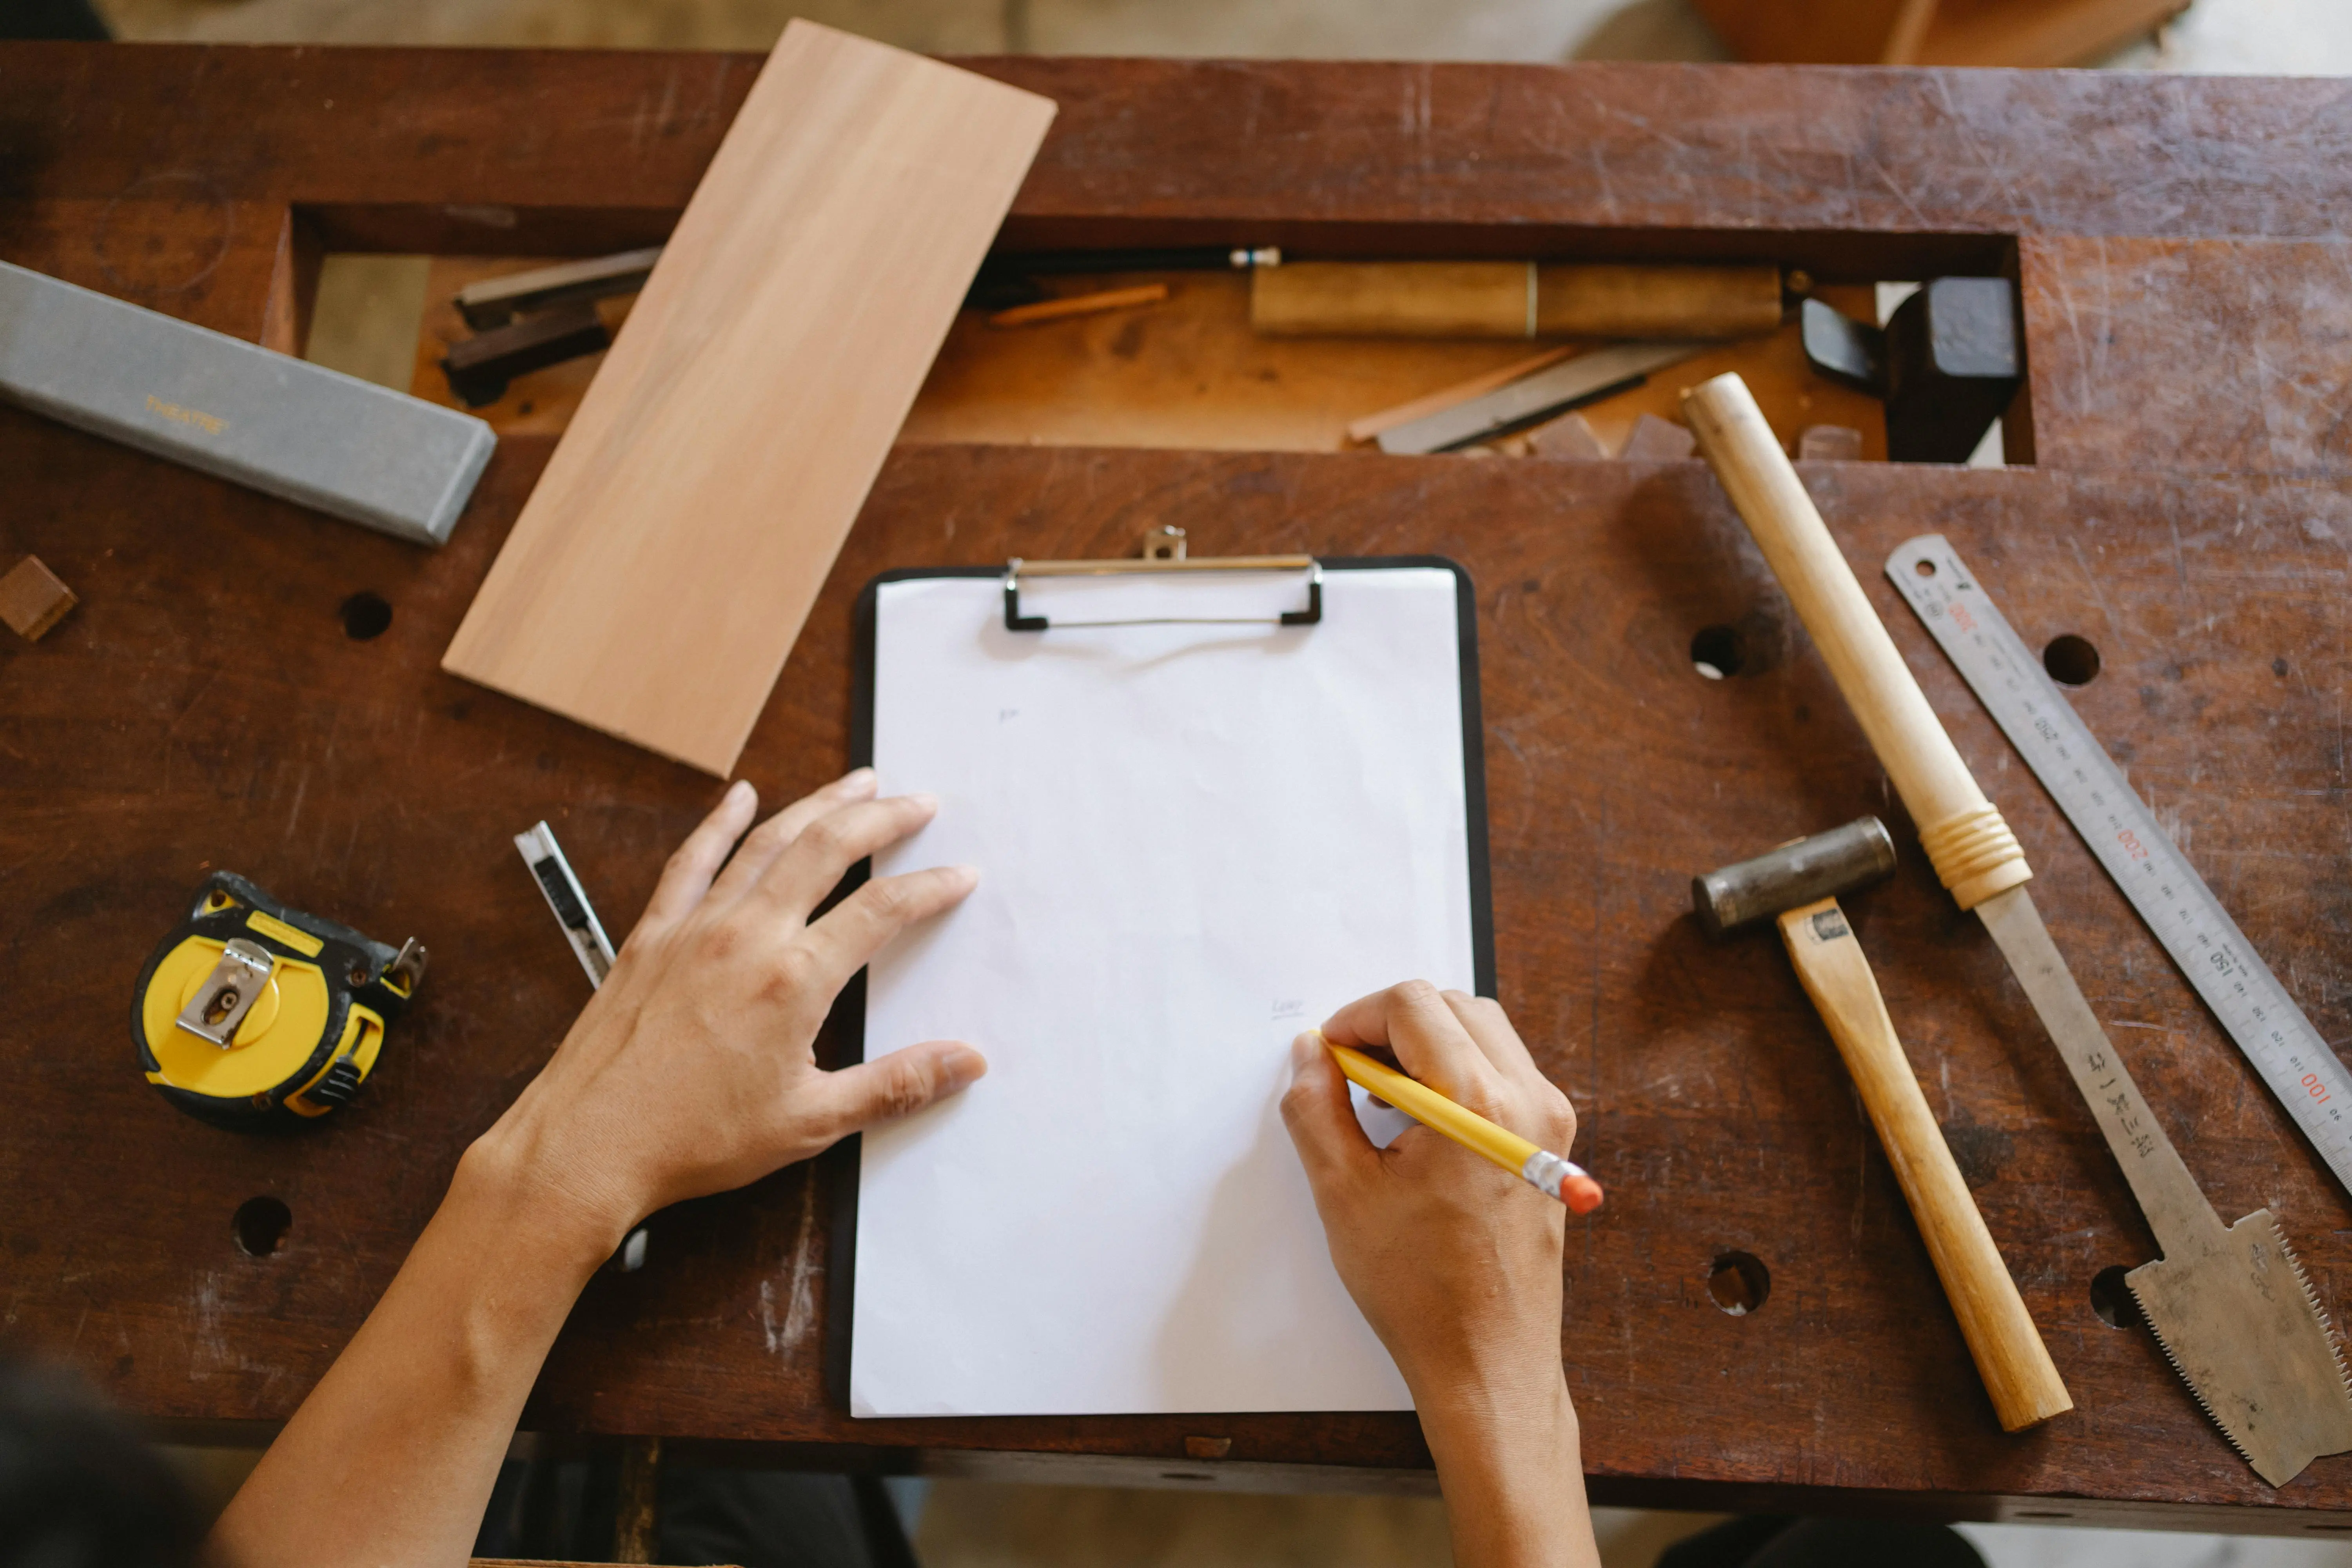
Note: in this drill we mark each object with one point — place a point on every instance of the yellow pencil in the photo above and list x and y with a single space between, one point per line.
1539 1168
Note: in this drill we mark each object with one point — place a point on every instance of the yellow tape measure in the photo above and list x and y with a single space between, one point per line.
251 1014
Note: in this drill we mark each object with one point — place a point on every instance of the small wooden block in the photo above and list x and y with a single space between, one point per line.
1207 1448
1829 444
1657 440
32 600
1567 437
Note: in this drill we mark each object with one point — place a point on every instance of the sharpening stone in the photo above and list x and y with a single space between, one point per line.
347 447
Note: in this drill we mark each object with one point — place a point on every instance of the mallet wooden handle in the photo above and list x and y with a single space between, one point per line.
1972 849
2010 1355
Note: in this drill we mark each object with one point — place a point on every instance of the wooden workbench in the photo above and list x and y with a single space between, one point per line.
2188 298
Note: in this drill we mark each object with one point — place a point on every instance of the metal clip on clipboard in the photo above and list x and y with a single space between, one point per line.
1163 551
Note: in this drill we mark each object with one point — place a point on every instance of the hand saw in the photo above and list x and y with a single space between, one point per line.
2231 1306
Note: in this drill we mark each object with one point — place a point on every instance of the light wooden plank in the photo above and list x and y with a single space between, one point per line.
659 574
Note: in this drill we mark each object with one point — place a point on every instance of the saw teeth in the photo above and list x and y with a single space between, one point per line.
2227 1436
2311 1299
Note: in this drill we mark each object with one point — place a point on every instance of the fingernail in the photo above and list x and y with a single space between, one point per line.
926 801
964 1067
969 875
740 789
857 778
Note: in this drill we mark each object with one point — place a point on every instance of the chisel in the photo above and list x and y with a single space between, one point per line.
2232 1308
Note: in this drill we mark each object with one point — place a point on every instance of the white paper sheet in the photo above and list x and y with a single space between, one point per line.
1194 841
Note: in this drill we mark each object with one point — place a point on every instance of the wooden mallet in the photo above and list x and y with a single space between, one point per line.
1798 885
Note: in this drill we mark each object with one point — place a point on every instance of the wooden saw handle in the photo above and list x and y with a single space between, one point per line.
1972 849
2010 1355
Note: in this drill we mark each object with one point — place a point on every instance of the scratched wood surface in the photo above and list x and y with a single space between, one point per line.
204 707
164 175
2259 333
197 712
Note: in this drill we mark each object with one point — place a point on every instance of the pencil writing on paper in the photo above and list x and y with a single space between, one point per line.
1541 1169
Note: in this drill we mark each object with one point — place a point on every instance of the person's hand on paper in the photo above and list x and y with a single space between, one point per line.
1456 1263
692 1070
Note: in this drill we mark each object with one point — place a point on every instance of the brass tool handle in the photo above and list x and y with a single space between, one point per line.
2010 1355
1512 300
1972 849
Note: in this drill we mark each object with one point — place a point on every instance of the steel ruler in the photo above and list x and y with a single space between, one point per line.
2285 1050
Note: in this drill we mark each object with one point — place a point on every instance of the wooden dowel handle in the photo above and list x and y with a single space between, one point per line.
1972 849
1590 300
1512 300
2010 1355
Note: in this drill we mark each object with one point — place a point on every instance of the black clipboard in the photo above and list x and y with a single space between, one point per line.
837 1167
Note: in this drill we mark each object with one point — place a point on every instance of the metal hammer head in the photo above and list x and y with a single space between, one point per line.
1948 364
1797 872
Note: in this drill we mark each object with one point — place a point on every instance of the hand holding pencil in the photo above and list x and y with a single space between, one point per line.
1422 1232
1457 1269
1548 1173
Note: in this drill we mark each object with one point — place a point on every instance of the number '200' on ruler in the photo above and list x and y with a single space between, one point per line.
2188 920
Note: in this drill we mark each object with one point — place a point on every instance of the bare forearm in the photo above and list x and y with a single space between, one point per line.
392 1458
692 1071
1513 1477
1456 1265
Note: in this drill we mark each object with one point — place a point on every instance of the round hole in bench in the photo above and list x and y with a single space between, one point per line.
366 616
1740 1282
261 1226
1718 651
2071 660
2111 1298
